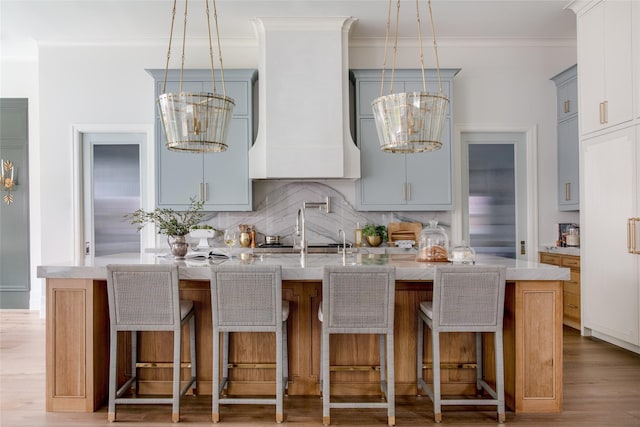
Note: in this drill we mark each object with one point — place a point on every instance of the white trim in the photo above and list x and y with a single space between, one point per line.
458 42
588 332
531 136
147 178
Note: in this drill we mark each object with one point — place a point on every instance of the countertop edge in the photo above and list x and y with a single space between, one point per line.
406 270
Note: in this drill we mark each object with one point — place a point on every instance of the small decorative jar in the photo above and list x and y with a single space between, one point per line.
463 254
433 245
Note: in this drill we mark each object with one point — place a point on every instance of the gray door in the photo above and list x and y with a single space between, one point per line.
111 168
14 216
494 192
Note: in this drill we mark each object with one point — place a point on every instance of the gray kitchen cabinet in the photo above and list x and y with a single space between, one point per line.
15 285
568 137
401 182
221 180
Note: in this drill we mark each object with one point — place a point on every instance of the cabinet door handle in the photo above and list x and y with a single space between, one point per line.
567 191
567 107
204 191
404 191
600 113
604 112
632 241
408 191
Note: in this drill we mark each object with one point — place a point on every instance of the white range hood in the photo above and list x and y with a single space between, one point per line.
303 106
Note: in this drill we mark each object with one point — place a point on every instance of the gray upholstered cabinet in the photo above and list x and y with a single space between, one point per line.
568 140
401 182
221 180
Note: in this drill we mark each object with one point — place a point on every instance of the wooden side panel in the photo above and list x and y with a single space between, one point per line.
77 332
538 346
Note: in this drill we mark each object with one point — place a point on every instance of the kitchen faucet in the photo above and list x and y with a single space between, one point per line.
300 231
301 227
344 246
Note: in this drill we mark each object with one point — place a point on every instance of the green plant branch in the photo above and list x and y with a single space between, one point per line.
168 221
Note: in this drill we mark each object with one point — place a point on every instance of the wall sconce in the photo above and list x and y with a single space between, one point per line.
7 181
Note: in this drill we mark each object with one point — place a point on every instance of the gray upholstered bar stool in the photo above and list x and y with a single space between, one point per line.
147 298
248 298
359 300
465 299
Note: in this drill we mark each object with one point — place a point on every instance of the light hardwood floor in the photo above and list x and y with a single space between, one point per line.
601 388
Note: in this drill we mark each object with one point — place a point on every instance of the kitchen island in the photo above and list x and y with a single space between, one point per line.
78 338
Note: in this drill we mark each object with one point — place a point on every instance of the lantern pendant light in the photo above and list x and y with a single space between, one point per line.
410 122
196 122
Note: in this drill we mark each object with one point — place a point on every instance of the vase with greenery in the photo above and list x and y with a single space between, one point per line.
374 234
174 224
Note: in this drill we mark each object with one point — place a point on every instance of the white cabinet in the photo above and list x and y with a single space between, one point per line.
401 182
568 140
610 272
220 180
635 13
608 50
604 58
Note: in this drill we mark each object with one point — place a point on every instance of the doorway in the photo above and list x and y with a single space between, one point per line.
111 168
495 193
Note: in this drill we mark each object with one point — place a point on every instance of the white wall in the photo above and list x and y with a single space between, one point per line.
19 79
499 85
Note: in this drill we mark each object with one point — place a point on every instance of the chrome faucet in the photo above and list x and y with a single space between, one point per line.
300 231
344 246
301 227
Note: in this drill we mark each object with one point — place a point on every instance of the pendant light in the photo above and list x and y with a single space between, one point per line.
410 122
196 122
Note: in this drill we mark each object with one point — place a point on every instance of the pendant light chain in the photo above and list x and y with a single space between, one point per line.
166 68
395 46
424 81
184 39
435 45
215 18
213 79
386 45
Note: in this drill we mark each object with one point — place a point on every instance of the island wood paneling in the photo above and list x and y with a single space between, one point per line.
77 345
533 346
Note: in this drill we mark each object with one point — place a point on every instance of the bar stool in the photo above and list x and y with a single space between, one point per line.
248 298
465 299
146 298
359 300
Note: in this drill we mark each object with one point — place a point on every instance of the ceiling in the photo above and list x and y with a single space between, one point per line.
26 23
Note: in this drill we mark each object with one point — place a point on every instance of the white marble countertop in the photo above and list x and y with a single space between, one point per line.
292 269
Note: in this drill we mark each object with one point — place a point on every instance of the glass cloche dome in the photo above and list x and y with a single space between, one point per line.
433 245
463 254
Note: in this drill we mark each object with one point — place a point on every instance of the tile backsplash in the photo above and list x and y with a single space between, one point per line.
276 212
